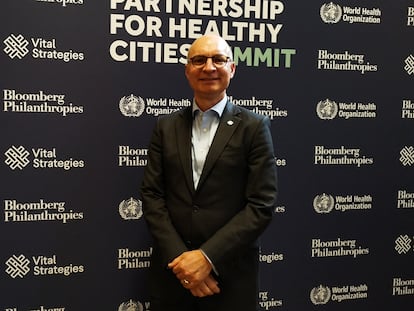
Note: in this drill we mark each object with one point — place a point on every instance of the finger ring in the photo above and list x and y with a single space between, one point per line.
186 282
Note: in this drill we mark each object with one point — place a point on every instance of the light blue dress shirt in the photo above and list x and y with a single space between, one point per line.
205 124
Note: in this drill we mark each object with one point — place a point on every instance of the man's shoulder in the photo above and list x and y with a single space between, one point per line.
175 114
247 114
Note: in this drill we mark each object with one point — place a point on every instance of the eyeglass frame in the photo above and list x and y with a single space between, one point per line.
228 60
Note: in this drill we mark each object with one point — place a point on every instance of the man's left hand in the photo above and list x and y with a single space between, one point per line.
191 268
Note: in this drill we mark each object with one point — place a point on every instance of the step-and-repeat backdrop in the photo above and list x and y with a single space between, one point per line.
82 83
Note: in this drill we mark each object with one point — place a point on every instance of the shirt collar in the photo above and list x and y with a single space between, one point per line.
218 108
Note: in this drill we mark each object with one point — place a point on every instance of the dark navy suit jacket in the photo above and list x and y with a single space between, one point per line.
233 202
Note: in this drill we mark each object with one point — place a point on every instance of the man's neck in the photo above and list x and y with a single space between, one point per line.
205 103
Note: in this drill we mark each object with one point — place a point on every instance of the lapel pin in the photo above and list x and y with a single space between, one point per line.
230 122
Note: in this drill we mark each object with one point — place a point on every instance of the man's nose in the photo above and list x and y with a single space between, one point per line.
209 65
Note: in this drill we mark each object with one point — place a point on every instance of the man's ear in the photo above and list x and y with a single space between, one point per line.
185 70
233 70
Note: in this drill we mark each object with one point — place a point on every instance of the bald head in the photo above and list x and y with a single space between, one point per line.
209 42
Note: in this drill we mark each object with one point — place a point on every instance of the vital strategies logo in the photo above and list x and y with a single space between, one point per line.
20 266
18 157
18 46
155 27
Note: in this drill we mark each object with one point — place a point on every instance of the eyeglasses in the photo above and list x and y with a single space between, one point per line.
199 61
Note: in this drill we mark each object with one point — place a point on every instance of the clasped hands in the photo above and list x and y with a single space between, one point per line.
193 270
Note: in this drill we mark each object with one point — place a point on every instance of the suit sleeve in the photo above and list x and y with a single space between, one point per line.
261 190
156 214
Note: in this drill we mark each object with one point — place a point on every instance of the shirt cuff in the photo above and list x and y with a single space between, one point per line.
211 263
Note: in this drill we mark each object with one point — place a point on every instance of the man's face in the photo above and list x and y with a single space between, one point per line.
209 81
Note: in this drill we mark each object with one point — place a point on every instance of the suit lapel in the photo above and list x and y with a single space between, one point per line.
229 121
183 134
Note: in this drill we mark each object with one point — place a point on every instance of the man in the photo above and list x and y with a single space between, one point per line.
208 192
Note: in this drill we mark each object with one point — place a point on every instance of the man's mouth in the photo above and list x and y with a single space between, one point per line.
209 79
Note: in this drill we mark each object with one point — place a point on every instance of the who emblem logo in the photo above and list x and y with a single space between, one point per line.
132 106
130 209
323 203
16 46
17 266
403 244
131 306
17 157
407 156
327 109
331 13
320 295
